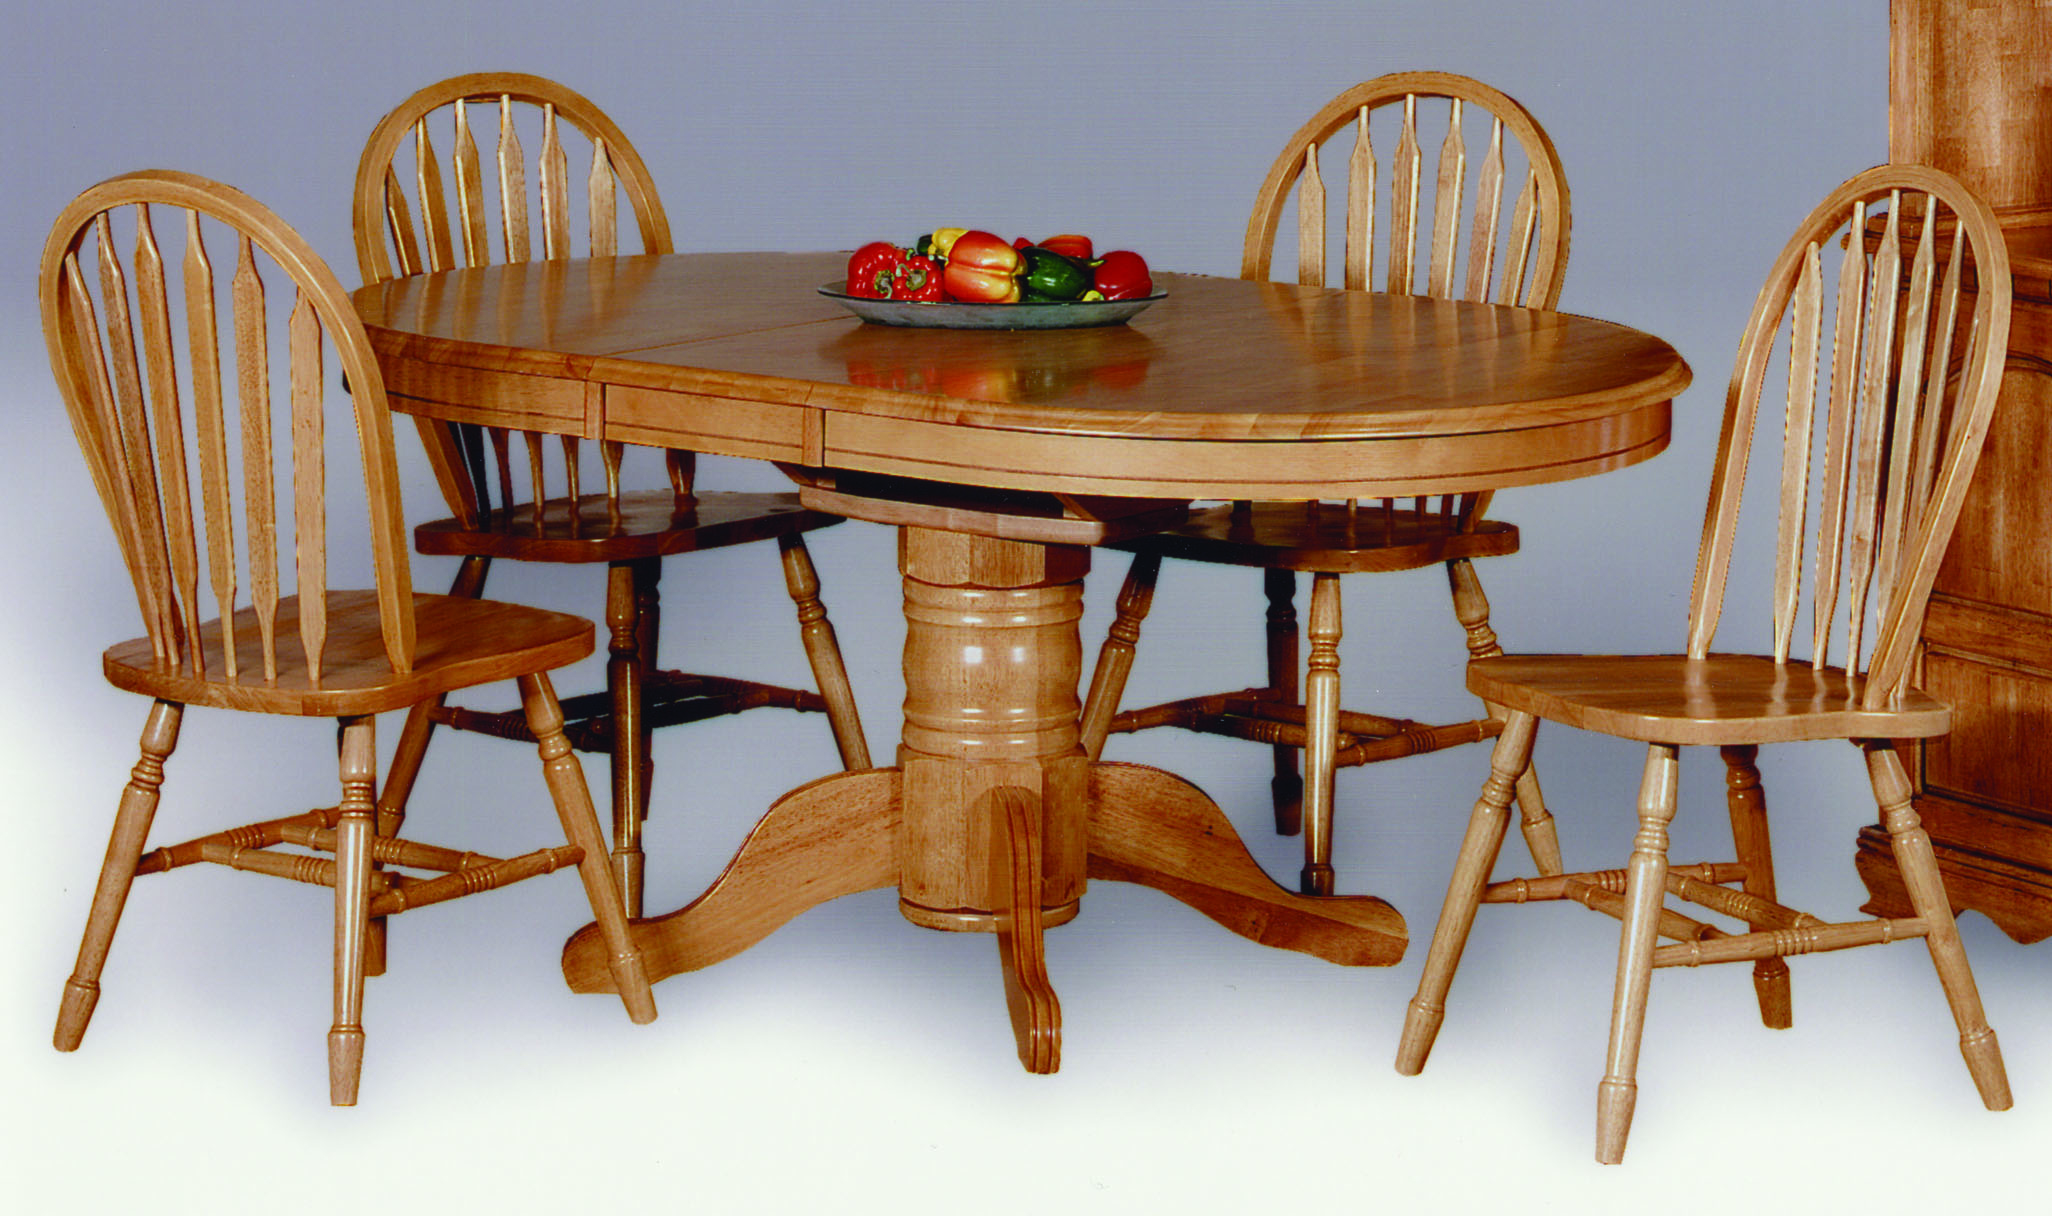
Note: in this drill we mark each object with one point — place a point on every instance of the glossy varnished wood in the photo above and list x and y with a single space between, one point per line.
739 355
288 643
829 838
1015 883
1155 829
461 643
1881 431
1717 699
991 748
998 454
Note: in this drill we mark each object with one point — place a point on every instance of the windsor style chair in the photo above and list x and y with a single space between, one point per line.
493 515
1515 258
286 642
1918 332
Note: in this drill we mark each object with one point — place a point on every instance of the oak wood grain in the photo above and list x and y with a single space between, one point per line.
1200 365
1155 829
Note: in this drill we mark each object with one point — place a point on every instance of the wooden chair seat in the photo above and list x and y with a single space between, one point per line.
1721 699
1326 537
602 529
459 643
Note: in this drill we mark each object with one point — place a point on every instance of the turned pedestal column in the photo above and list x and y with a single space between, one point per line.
992 656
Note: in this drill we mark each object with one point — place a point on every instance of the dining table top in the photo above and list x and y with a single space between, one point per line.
1224 388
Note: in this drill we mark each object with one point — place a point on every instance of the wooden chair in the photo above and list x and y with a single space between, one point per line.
1919 327
1513 259
154 442
629 532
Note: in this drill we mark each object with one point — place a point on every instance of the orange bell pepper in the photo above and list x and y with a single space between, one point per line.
982 269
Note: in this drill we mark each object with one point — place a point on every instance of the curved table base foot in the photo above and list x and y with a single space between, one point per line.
1015 874
1156 829
833 837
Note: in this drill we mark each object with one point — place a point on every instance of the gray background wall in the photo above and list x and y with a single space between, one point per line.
853 1061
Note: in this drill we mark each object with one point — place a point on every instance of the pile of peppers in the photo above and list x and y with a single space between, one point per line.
973 266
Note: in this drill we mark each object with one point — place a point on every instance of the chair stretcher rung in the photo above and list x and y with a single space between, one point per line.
391 852
1417 741
1260 704
1776 943
408 893
1763 913
670 698
298 867
511 724
250 836
1363 738
1177 713
395 893
1533 890
1612 904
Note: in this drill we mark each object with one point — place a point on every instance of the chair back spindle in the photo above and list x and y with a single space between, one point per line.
157 442
1909 386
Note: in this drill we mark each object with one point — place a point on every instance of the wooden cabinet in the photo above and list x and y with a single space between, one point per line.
1970 91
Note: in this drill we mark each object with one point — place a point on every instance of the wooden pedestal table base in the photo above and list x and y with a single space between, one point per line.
993 807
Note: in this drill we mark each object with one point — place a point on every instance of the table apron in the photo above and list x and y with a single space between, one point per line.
1059 462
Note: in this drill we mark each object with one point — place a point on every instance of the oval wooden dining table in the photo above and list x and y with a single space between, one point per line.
1004 456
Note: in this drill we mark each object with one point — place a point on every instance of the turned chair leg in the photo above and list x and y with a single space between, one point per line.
353 833
1115 657
420 723
1645 895
628 586
1286 788
1471 608
1479 847
132 818
397 789
829 671
1926 888
1321 733
1749 833
565 778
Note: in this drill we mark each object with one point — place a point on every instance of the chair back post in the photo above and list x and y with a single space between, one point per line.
1909 382
116 363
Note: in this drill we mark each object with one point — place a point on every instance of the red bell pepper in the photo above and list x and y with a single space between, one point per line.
882 271
1122 275
1070 245
872 268
982 269
919 279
